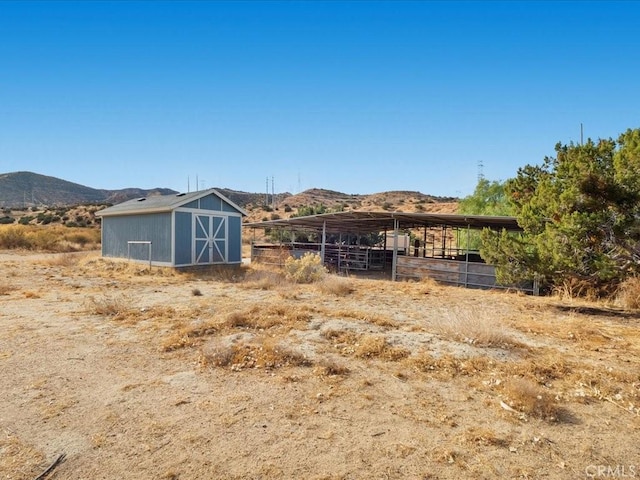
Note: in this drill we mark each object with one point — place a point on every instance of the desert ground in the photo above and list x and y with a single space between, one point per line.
137 373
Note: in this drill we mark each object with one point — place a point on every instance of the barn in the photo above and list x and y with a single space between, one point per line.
185 229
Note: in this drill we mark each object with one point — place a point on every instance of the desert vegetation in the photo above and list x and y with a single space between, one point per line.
48 239
579 215
286 374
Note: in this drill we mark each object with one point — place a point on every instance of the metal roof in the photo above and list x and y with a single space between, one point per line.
361 222
162 203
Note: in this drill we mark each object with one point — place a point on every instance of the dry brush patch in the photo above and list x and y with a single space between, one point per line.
261 352
18 459
478 327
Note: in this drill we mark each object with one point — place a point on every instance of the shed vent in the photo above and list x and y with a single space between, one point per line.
180 194
141 199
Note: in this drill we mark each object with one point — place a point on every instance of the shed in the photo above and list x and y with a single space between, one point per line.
185 229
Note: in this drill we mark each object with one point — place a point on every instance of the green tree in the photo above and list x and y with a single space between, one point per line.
580 212
488 198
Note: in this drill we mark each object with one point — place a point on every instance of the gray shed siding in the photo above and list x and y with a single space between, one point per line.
154 227
205 229
235 240
211 202
183 238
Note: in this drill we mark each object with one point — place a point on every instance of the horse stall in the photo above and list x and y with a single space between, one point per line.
410 246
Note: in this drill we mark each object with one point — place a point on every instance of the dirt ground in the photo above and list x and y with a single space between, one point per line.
154 374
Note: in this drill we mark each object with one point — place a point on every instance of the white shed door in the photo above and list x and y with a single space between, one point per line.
209 239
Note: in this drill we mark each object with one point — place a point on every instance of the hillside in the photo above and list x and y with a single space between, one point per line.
27 189
32 198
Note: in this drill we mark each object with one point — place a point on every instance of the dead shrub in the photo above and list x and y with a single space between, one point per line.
628 295
266 353
188 335
484 436
331 368
218 354
478 328
273 354
260 278
527 397
268 316
332 285
64 260
365 316
6 289
108 306
13 238
449 366
369 346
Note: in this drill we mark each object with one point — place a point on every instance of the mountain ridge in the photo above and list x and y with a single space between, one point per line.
27 189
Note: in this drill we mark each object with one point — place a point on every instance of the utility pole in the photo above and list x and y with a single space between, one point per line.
581 132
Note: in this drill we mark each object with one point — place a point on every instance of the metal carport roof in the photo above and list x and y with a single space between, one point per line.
360 222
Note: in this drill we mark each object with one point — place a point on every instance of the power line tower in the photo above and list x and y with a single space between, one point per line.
480 170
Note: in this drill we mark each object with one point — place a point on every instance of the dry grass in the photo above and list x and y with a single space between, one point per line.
477 327
190 334
362 316
65 260
48 238
449 366
337 286
483 436
6 289
628 295
528 397
19 459
331 367
109 306
262 277
262 317
119 269
375 346
265 353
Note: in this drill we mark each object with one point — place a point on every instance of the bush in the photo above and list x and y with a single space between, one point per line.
7 220
13 237
307 269
628 295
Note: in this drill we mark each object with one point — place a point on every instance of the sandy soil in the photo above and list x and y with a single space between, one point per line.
136 374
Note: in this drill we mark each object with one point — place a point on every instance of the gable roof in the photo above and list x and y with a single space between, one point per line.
162 203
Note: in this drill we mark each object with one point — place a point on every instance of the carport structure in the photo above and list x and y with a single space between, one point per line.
435 252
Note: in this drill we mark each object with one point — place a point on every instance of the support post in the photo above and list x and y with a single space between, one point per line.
324 240
466 259
394 265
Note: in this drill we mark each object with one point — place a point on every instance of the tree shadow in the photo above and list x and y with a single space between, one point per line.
599 312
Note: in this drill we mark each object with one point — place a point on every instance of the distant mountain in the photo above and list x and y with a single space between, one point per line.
27 189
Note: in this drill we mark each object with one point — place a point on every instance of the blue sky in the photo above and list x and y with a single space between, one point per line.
359 97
